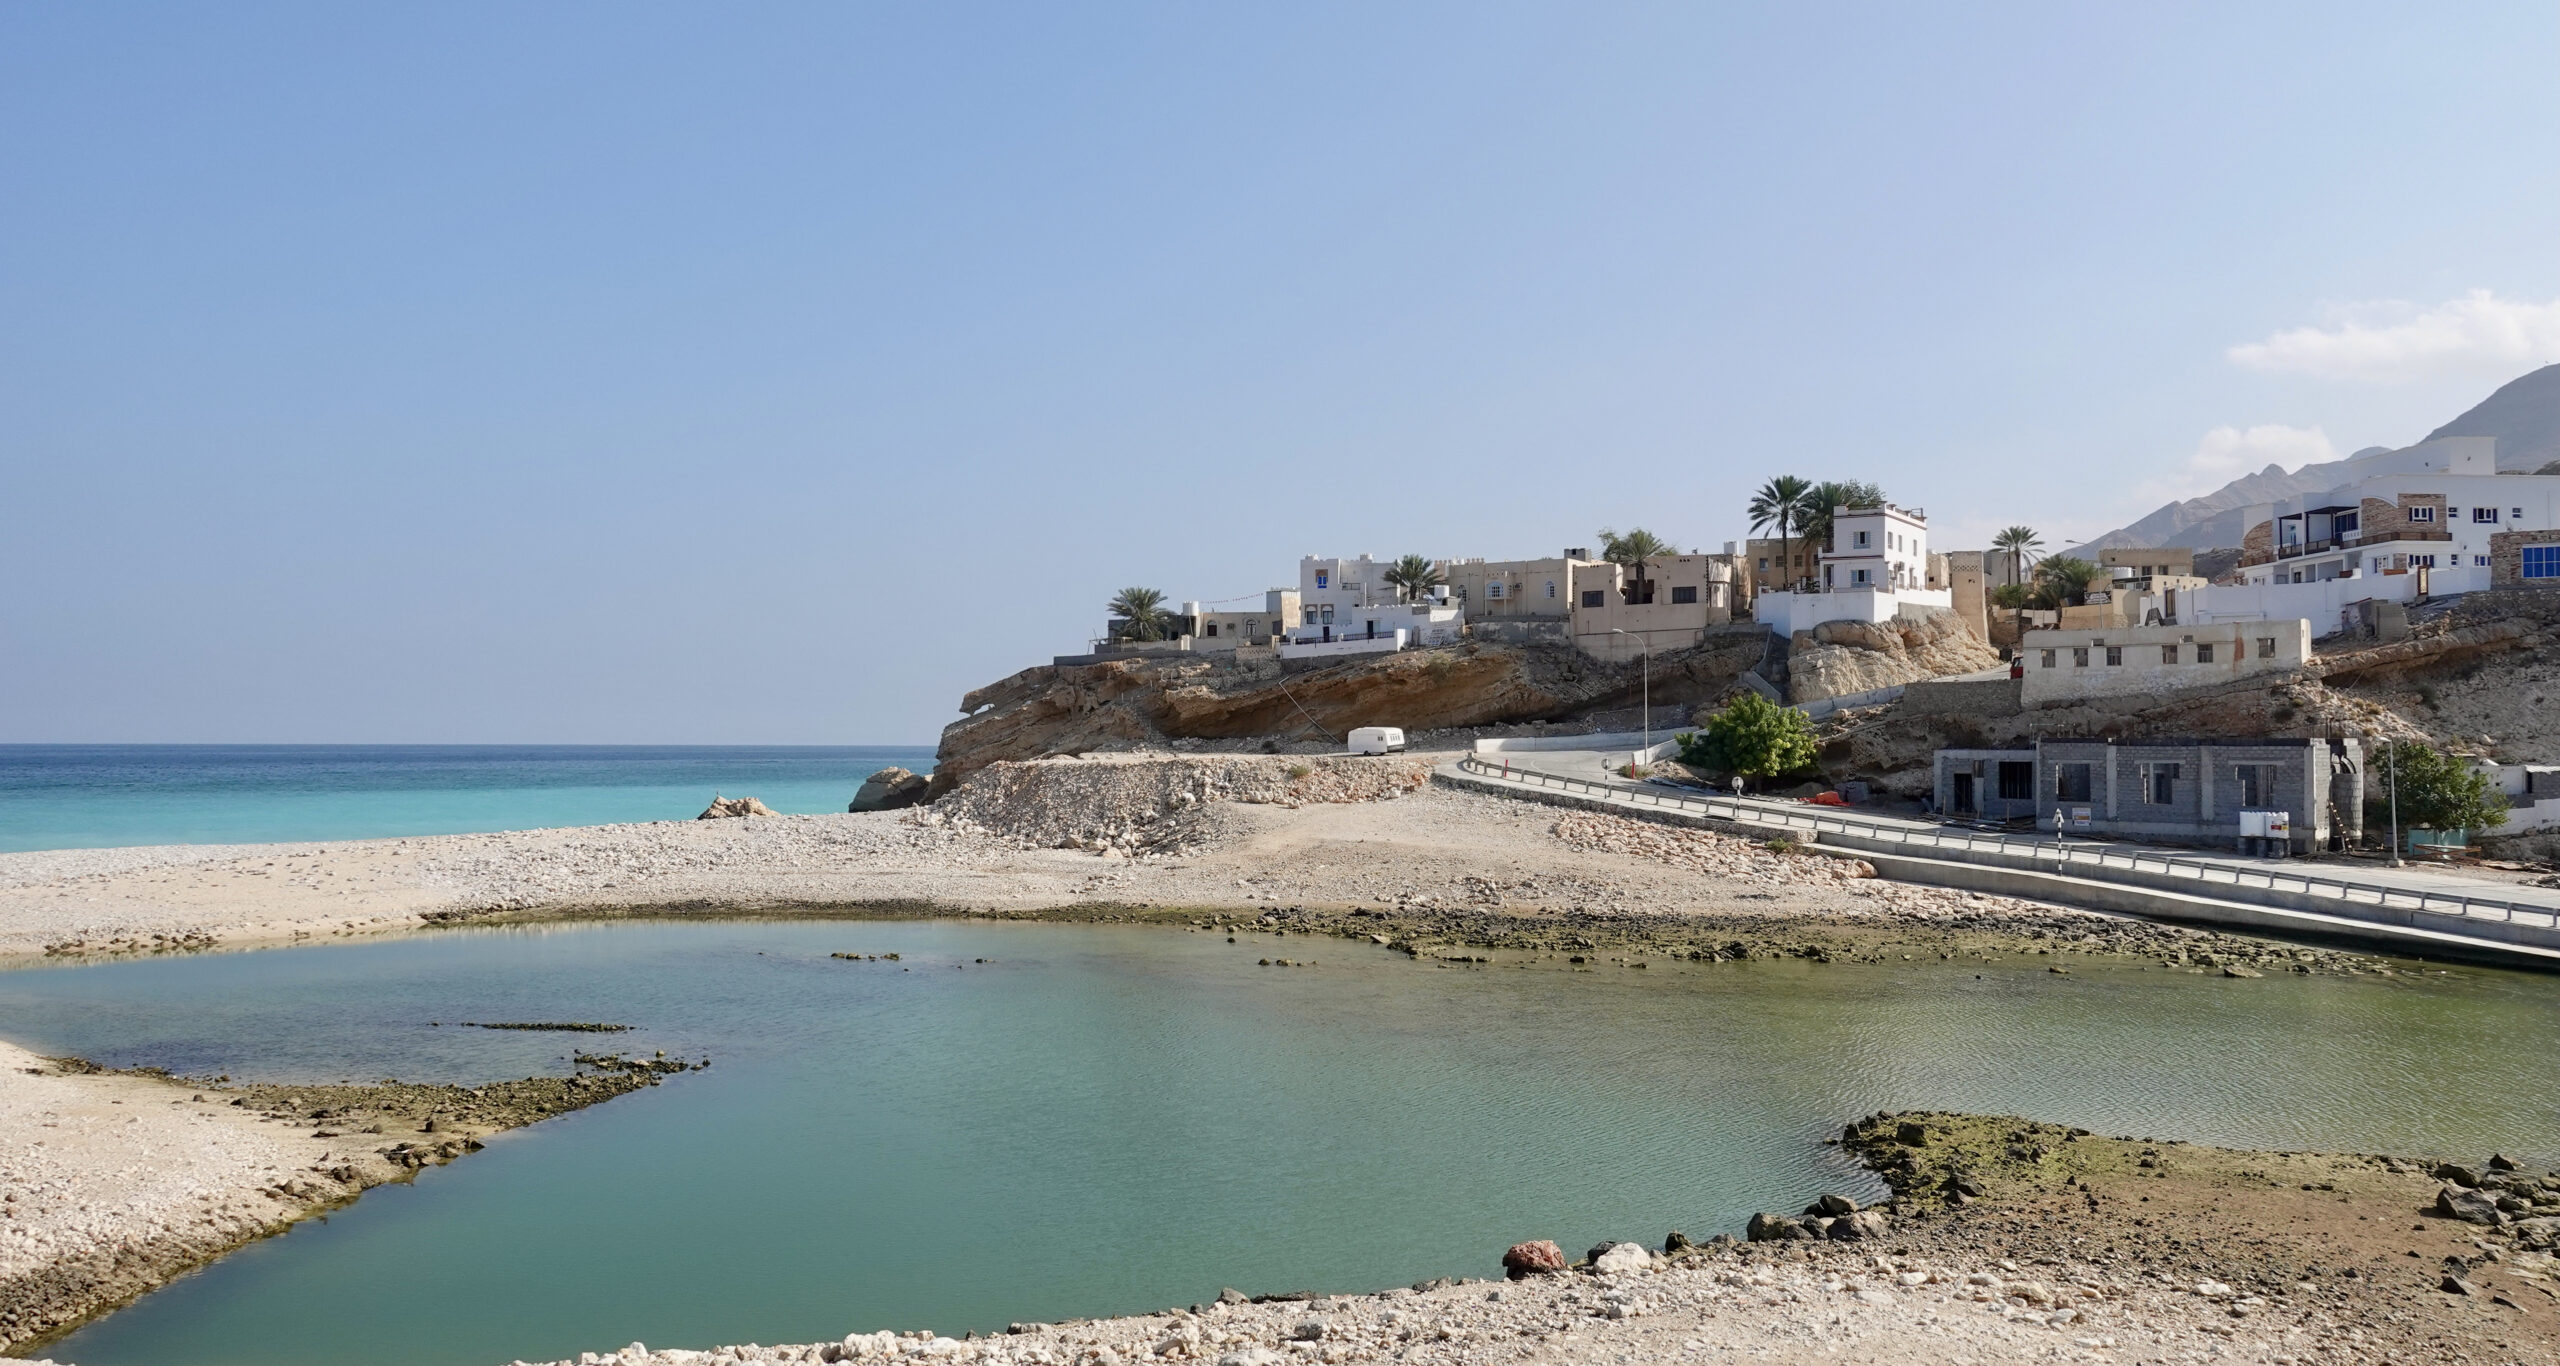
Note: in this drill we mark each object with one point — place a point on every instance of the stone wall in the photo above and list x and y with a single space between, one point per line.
2506 558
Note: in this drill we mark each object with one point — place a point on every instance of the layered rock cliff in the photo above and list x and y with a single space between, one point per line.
1839 658
1127 703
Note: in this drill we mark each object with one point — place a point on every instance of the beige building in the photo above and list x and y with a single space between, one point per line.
2166 561
1226 629
1617 616
1768 566
1527 590
1968 590
2071 665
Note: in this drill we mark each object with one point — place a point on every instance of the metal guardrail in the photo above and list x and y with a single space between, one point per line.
2046 850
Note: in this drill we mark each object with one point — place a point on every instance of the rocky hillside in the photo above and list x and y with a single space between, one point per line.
1129 805
1132 703
1839 658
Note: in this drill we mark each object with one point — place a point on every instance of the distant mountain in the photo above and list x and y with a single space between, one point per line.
2524 415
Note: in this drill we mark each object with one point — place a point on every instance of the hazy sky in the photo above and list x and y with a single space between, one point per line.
683 373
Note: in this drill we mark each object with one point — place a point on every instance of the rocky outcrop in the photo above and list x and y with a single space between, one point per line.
1133 806
1839 658
889 789
1124 704
724 808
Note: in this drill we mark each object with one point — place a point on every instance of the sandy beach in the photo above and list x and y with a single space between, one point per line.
117 1182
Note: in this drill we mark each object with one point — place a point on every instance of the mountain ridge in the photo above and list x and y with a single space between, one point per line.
2523 414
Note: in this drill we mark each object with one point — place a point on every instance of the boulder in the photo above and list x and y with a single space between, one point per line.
1541 1258
1769 1228
1834 1205
1858 1227
1911 1133
889 789
1622 1258
2456 1173
722 808
2471 1207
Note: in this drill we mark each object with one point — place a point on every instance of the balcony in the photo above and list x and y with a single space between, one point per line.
2296 548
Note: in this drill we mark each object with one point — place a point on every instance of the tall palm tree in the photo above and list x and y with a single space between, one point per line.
2065 581
1780 504
1632 550
2022 543
1141 613
1824 498
1413 577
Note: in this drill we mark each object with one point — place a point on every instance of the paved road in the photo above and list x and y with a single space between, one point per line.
1600 767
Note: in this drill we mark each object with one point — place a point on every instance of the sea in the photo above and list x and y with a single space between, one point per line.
104 796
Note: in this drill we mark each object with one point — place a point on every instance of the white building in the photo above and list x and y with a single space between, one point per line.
1343 599
1876 568
2434 507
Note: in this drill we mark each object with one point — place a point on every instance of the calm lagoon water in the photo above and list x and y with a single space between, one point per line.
1106 1120
91 796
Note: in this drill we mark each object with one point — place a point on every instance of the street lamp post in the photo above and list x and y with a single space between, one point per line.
2396 861
1645 654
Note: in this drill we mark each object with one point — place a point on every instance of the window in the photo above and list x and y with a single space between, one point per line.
1595 597
2071 782
2255 782
1213 628
1327 611
1275 626
2080 657
1764 564
2017 781
1551 590
2542 562
2115 654
2204 652
2517 513
2168 654
1311 616
2484 514
1493 591
2266 647
2346 522
2422 562
1862 540
1321 576
2480 561
1686 592
2048 659
2422 514
1857 576
2159 784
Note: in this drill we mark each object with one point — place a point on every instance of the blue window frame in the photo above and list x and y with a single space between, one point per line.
2542 562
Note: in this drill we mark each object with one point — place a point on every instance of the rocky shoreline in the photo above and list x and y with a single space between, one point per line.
2005 1240
104 1195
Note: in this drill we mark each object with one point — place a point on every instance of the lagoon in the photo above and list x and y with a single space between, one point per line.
1104 1120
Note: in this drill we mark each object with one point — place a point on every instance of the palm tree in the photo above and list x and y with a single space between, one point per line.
1632 550
1141 614
2065 581
2022 543
1780 504
1824 498
1413 577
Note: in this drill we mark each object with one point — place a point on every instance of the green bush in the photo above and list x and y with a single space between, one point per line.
1752 736
2438 791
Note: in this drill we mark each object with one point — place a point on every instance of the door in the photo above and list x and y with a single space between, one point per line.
1964 794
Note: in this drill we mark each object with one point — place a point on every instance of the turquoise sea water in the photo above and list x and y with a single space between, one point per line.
1100 1119
90 796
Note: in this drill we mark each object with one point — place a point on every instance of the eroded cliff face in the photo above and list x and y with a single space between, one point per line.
1839 658
1126 703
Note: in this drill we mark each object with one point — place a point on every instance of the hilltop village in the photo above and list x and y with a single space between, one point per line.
2162 693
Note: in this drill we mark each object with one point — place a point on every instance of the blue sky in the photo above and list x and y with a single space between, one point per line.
658 373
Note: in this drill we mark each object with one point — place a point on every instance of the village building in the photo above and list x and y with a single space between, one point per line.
2067 665
2435 507
1227 629
2207 792
1619 615
1876 567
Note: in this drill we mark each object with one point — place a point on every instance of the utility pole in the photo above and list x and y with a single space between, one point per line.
2396 860
1645 654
